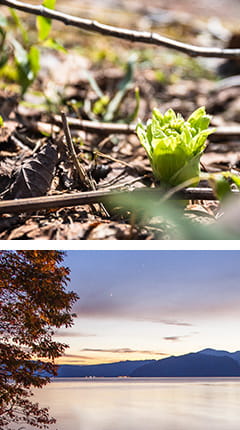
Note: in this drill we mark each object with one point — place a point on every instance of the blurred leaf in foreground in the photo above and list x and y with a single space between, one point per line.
169 219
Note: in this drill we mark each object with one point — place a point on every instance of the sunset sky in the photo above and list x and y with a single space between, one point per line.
136 305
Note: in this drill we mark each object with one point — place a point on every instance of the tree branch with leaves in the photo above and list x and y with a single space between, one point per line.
34 303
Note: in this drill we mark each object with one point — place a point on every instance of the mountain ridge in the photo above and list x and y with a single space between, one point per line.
207 362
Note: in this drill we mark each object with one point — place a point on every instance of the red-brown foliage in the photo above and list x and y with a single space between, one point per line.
33 303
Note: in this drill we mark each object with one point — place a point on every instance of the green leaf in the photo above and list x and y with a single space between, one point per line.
1 121
142 135
99 106
196 116
236 180
167 159
124 86
50 4
157 132
54 44
34 60
169 116
220 185
44 24
190 170
157 115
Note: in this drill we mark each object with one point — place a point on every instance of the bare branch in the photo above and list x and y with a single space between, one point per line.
83 198
122 33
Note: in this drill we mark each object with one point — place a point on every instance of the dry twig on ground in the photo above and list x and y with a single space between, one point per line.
89 197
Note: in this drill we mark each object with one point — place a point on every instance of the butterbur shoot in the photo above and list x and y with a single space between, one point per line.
174 146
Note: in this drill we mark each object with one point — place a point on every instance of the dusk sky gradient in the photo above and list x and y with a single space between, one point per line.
136 305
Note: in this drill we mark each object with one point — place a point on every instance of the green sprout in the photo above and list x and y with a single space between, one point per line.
174 146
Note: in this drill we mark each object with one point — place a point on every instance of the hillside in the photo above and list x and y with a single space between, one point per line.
208 362
121 368
190 365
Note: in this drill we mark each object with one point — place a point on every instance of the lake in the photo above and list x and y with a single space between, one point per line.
143 403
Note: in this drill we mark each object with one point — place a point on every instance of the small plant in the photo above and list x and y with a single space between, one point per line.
174 146
22 63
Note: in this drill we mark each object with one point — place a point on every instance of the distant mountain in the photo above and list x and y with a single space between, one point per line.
190 365
208 362
121 368
209 351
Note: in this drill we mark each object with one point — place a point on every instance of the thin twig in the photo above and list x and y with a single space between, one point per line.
109 157
82 174
86 181
88 197
122 33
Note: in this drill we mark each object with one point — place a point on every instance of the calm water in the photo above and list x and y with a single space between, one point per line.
144 404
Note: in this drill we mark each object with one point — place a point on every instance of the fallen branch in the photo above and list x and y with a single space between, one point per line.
122 33
112 128
101 196
96 126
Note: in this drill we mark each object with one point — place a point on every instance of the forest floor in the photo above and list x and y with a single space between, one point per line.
95 80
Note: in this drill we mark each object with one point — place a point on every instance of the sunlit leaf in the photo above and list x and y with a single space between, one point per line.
34 60
220 186
54 44
174 146
44 24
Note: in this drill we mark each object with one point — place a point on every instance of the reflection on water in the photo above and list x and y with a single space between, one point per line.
143 404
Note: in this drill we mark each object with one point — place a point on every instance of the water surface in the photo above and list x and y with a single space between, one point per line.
143 404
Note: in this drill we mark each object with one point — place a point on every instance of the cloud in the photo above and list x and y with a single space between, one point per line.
77 356
173 338
175 322
132 310
69 334
123 351
179 338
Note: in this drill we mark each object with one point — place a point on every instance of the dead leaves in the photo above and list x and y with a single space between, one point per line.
34 177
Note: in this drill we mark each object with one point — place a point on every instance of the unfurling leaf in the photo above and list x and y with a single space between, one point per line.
174 146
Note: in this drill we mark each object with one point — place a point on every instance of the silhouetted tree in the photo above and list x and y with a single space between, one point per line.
33 303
